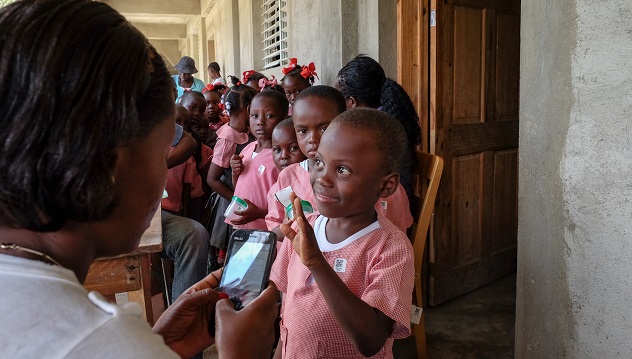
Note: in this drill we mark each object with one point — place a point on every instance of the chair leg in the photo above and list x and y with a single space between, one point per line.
420 338
167 277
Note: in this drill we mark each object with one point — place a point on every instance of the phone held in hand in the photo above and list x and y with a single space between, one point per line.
247 267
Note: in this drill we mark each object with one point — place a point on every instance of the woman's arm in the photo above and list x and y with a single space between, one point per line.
215 172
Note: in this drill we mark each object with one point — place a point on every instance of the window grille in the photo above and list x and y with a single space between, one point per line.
274 13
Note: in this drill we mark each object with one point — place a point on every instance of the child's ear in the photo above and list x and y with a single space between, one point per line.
390 183
352 102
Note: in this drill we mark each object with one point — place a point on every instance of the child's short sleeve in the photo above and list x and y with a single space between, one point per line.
223 151
391 280
189 171
207 155
276 212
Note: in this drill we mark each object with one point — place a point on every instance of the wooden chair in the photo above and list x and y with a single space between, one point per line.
427 173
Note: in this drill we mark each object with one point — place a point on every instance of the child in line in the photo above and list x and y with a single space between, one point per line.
251 78
347 281
178 186
197 125
213 112
231 139
297 78
285 149
254 171
314 109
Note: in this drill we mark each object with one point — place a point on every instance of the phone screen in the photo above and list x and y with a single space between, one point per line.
248 265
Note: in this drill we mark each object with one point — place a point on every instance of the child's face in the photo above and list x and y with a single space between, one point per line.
196 107
182 116
212 111
264 115
293 85
311 116
344 178
285 150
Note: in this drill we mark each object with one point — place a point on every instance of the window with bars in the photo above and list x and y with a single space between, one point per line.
274 13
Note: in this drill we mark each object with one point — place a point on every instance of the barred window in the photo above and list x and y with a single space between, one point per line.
274 13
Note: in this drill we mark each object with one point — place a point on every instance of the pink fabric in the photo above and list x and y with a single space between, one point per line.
379 270
207 155
227 140
254 182
397 207
293 175
176 177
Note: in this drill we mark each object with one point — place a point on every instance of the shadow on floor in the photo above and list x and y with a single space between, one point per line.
477 325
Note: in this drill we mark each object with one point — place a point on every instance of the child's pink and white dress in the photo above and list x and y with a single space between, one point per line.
256 179
376 264
395 207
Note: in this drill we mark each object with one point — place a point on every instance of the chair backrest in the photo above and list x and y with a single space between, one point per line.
428 169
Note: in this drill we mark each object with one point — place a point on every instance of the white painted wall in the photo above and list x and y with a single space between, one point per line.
575 197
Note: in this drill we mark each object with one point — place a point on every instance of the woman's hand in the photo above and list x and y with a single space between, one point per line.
184 325
248 333
304 241
249 214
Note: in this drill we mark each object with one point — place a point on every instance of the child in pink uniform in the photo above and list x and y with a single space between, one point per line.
254 171
232 138
348 281
314 108
285 149
296 79
178 187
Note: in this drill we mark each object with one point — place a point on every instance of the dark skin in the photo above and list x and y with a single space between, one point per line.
293 85
239 122
264 115
182 151
185 80
346 187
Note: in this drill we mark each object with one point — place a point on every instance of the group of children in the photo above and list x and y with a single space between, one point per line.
346 268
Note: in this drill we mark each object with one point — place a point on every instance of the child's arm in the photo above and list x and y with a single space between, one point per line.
237 166
367 327
215 172
250 214
182 150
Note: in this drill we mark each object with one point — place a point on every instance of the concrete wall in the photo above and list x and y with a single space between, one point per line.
575 189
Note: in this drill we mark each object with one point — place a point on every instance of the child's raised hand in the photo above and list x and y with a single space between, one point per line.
303 241
237 164
249 214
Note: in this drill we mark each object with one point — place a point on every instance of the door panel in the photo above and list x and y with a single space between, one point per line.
474 81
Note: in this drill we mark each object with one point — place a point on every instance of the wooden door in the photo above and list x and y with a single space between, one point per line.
474 82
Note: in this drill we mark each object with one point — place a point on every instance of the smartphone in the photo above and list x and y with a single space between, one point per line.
247 266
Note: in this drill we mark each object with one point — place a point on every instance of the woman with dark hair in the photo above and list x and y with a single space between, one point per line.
214 74
83 153
364 84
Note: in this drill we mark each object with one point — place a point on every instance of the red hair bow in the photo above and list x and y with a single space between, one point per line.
263 83
246 75
291 66
209 87
309 71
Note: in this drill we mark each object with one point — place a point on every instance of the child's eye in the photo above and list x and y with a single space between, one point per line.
322 129
269 116
294 148
276 150
343 170
318 163
301 131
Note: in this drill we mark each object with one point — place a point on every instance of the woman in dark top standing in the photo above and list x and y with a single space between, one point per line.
364 84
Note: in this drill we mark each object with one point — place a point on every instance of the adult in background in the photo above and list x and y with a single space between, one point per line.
82 175
184 80
214 74
364 84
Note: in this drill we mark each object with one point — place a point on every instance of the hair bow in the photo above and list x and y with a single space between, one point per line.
209 87
263 83
309 71
291 66
227 107
246 75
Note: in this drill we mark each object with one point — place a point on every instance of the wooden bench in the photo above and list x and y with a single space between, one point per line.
130 272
